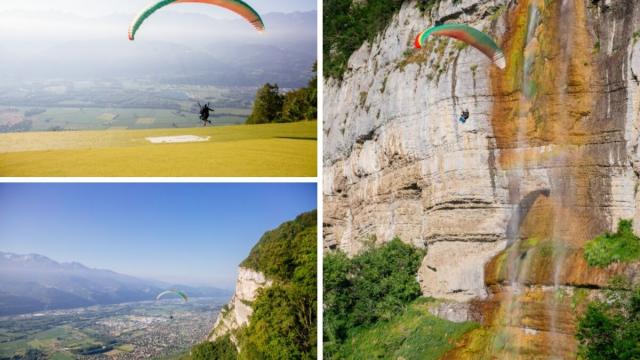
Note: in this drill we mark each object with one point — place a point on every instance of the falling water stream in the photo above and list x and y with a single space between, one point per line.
558 176
519 266
542 119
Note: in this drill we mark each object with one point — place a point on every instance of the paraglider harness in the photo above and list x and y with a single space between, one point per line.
464 116
204 113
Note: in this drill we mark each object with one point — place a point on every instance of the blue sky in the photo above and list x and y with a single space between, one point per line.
190 233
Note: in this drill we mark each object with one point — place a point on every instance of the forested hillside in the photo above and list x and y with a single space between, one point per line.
283 320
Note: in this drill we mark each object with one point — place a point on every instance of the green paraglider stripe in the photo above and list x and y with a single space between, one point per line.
177 292
469 35
144 15
238 6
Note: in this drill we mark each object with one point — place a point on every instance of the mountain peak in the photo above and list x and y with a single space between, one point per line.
25 257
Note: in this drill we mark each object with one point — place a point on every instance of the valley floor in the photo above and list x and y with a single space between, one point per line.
147 329
274 150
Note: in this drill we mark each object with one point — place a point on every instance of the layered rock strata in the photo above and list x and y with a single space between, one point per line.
237 313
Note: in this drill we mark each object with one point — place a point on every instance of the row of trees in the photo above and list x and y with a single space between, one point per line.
272 106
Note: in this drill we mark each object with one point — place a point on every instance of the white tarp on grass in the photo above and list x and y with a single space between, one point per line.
176 139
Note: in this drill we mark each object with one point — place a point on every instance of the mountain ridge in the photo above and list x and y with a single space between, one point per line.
34 282
195 48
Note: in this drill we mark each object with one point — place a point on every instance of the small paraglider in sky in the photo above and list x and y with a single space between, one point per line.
173 292
179 293
469 35
237 6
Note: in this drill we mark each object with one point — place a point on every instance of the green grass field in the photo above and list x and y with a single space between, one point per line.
49 340
274 150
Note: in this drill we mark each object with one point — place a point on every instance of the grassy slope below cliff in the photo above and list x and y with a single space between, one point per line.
413 334
373 307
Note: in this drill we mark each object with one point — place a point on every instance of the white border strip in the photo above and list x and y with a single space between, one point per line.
319 179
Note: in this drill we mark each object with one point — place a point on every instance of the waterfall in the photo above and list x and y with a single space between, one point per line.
559 175
518 266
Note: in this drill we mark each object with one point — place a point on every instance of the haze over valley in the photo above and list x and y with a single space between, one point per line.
74 72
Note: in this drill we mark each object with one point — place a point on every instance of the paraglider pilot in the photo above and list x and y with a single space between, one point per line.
204 114
464 116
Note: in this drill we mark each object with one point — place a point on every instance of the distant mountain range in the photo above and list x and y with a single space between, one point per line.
172 48
31 283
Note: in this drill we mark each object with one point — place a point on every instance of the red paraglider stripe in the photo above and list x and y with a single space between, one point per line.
417 43
237 7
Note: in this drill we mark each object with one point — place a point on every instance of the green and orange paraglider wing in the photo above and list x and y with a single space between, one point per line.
469 35
175 292
237 6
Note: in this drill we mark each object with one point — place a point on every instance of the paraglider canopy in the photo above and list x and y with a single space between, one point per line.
237 6
469 35
174 292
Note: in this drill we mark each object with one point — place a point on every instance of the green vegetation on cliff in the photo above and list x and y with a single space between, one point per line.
622 246
372 310
221 349
610 329
284 322
347 25
278 251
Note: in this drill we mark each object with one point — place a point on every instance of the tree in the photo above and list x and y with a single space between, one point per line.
268 105
296 106
312 94
373 286
271 106
610 329
276 254
221 349
302 104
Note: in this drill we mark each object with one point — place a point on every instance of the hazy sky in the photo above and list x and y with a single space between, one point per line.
190 233
107 7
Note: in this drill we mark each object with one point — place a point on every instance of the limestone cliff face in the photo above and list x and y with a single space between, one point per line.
398 163
236 314
549 156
